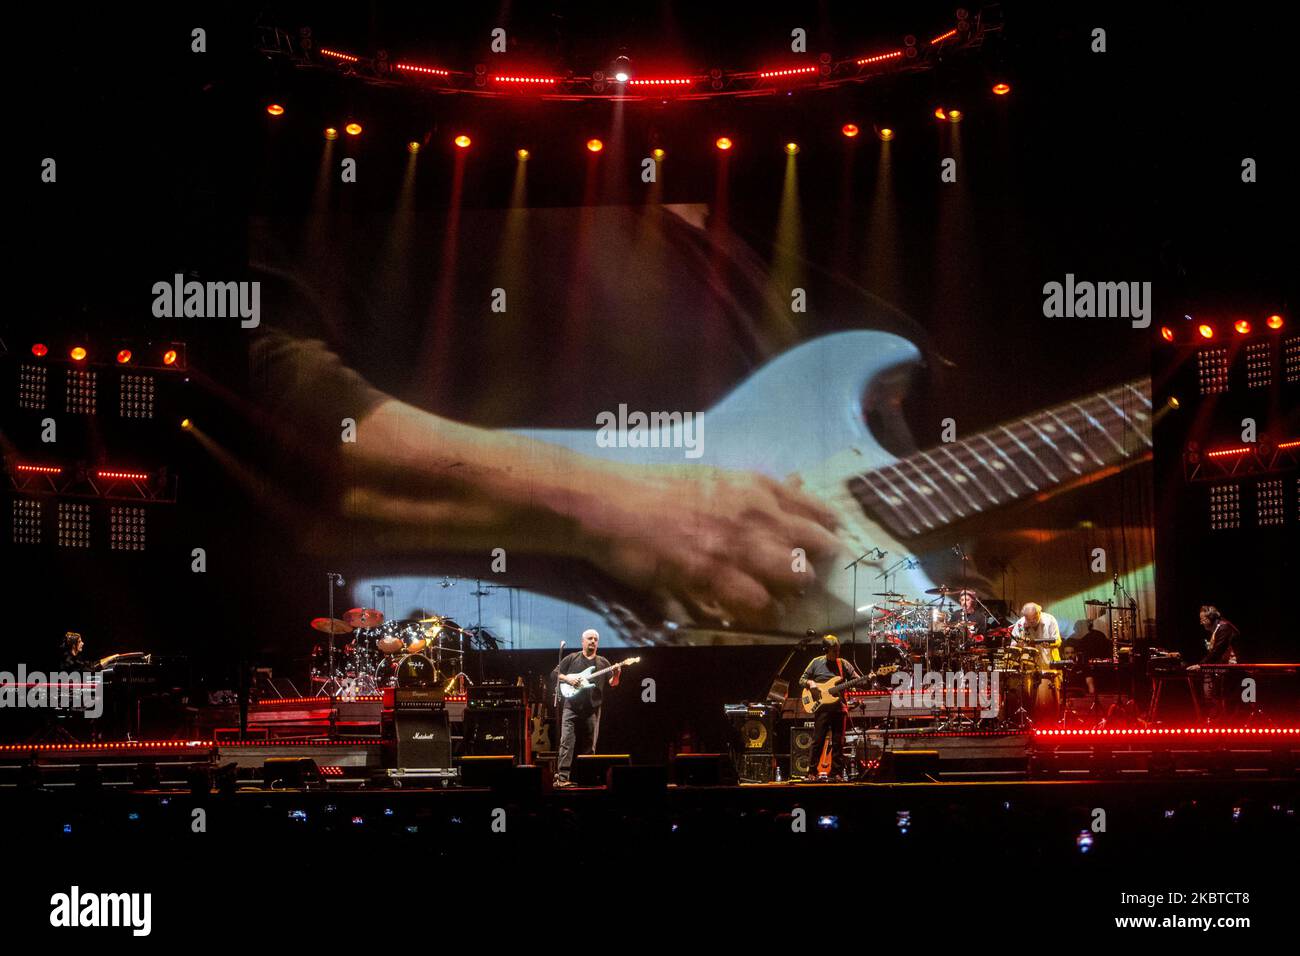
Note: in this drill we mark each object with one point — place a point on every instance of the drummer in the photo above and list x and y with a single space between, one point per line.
976 619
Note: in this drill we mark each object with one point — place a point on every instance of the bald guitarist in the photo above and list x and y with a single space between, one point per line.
830 716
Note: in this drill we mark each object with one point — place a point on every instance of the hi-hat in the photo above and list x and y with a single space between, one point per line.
331 625
364 617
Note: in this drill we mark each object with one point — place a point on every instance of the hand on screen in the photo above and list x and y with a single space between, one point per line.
718 542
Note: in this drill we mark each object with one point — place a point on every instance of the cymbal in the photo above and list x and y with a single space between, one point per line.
1095 603
950 589
364 617
888 594
331 625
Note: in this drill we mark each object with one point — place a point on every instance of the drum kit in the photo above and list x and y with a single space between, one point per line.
937 633
379 649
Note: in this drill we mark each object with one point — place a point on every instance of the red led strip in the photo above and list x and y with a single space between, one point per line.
675 82
1177 732
128 475
39 469
430 70
943 36
769 74
879 58
318 700
1228 451
540 80
348 57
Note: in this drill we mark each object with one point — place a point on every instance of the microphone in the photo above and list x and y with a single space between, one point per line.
881 554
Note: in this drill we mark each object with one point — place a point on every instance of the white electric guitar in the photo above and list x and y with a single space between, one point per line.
586 678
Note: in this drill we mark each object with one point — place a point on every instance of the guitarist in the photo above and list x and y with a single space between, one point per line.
581 713
830 717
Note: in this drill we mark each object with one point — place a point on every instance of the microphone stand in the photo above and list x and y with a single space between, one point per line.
853 638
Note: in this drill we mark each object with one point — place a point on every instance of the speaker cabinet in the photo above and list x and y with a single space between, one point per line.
801 742
423 740
495 732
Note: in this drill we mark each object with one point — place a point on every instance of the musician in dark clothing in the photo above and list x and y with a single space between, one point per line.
71 657
831 716
580 716
1220 648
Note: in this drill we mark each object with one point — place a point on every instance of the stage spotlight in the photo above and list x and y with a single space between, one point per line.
940 113
1274 322
723 143
1207 331
791 148
595 145
1001 89
331 133
169 357
462 141
1242 327
1174 402
123 357
353 129
621 69
1166 333
275 109
522 155
885 133
78 354
413 147
186 424
658 154
850 130
954 116
40 350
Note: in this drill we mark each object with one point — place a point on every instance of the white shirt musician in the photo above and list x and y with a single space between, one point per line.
1040 630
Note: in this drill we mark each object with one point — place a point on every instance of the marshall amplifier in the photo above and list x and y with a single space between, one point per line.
420 721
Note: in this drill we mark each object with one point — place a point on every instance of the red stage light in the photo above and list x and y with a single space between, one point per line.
879 58
126 475
123 356
943 36
679 81
345 57
1001 89
462 141
331 133
850 130
427 70
169 357
1166 333
595 145
723 143
353 129
1225 452
940 113
1274 322
40 350
536 80
275 109
1242 327
797 71
1207 331
39 469
77 353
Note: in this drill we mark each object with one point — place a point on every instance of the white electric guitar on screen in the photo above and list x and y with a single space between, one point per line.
805 414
